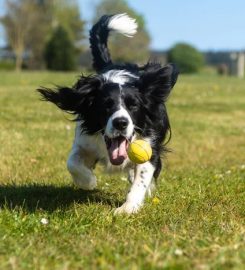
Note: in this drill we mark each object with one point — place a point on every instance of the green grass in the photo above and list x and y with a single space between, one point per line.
198 222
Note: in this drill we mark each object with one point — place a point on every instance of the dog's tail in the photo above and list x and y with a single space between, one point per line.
99 33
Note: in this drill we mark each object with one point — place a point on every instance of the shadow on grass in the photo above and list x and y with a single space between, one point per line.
50 198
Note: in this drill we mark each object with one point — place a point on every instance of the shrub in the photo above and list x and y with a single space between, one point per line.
186 57
60 53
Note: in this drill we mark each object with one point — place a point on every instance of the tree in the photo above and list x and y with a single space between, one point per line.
186 57
36 40
66 13
122 48
17 22
30 23
60 51
61 54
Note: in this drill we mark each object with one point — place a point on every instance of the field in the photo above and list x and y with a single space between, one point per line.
195 221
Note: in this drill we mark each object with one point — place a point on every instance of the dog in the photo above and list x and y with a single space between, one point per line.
112 108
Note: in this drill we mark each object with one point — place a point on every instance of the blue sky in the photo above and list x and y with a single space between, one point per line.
207 24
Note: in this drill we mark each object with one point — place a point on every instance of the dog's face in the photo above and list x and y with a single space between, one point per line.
119 111
116 103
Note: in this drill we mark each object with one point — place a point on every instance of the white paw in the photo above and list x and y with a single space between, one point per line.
127 208
88 184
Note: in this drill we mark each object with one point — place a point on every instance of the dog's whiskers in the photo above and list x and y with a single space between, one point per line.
100 130
136 127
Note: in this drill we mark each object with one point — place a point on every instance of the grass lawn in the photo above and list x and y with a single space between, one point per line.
196 223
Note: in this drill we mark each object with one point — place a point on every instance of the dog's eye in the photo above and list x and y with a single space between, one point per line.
130 103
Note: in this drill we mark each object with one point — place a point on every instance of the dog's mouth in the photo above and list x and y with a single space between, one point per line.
117 149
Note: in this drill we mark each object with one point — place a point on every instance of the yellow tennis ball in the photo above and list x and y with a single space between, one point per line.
139 151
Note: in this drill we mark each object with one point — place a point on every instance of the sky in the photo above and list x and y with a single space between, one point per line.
206 24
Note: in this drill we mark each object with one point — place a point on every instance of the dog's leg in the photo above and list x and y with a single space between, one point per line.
135 198
80 164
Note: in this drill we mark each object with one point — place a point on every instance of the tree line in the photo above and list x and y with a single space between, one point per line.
51 34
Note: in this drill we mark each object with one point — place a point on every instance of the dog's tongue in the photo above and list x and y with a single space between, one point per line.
118 151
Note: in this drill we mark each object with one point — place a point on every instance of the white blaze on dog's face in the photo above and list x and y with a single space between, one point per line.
120 124
118 133
119 128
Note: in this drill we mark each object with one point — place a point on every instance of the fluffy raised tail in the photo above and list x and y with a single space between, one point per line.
99 33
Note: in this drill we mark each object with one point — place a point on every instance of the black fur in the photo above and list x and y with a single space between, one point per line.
98 44
94 99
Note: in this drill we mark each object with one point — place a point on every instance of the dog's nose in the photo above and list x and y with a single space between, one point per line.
120 123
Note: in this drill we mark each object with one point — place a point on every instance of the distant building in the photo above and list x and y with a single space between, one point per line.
159 56
230 62
238 64
233 60
85 60
6 54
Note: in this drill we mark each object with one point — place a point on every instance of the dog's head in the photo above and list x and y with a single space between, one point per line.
116 103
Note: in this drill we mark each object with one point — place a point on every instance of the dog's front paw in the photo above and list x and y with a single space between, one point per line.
127 208
85 184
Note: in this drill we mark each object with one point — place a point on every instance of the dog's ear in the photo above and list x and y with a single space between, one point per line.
75 99
157 83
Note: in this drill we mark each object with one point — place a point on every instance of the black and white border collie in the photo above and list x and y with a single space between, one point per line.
120 103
